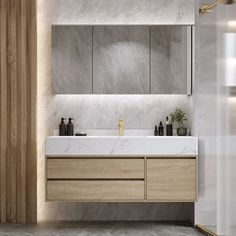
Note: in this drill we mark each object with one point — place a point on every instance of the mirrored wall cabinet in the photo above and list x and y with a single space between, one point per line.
121 59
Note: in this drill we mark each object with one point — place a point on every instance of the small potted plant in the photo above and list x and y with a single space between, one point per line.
179 117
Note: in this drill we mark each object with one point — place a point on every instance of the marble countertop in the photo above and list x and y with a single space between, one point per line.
121 146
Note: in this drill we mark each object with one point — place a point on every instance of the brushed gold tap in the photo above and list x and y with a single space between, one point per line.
121 127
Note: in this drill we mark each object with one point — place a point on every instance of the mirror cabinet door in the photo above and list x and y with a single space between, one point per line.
170 59
72 59
121 60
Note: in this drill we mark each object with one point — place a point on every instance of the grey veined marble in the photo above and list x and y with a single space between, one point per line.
124 146
72 59
99 229
104 111
122 11
121 60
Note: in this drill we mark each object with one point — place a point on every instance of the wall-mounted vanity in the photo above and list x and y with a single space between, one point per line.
122 59
129 169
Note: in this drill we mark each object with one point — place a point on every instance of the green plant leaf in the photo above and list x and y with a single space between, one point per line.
179 117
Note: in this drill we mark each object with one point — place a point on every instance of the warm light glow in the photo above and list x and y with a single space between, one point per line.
232 99
232 24
230 59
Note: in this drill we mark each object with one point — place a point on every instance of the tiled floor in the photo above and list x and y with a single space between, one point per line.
98 229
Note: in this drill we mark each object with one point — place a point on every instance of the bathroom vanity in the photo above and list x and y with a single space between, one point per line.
121 169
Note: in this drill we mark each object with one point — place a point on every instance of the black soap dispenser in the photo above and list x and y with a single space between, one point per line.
70 128
161 129
155 131
62 128
169 127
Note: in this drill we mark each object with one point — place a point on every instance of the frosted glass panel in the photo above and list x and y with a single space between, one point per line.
226 173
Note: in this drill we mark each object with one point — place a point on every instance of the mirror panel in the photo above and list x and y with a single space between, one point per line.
72 59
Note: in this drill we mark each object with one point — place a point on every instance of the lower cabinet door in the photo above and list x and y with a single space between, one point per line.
95 190
171 180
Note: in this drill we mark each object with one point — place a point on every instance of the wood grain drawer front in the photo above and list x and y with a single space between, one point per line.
95 190
171 180
95 168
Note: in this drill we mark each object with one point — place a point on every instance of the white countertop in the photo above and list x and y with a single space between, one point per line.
121 146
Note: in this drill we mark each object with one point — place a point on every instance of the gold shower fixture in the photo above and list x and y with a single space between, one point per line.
207 7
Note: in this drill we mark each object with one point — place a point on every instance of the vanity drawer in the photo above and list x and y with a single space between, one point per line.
171 180
95 168
95 190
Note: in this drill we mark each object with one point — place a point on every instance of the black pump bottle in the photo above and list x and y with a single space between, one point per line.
155 131
161 129
169 127
70 128
62 128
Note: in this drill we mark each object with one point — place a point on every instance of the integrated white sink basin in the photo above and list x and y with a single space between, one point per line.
121 146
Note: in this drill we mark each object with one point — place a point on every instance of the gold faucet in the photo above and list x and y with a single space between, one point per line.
121 127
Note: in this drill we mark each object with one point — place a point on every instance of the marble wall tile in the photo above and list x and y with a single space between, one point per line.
123 12
104 111
121 60
72 59
169 60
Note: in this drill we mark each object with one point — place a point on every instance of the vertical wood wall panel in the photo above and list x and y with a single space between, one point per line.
18 71
23 104
13 108
3 104
18 111
32 157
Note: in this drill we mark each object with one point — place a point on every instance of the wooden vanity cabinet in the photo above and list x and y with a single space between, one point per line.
121 179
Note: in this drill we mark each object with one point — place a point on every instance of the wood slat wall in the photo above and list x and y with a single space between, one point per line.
18 158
